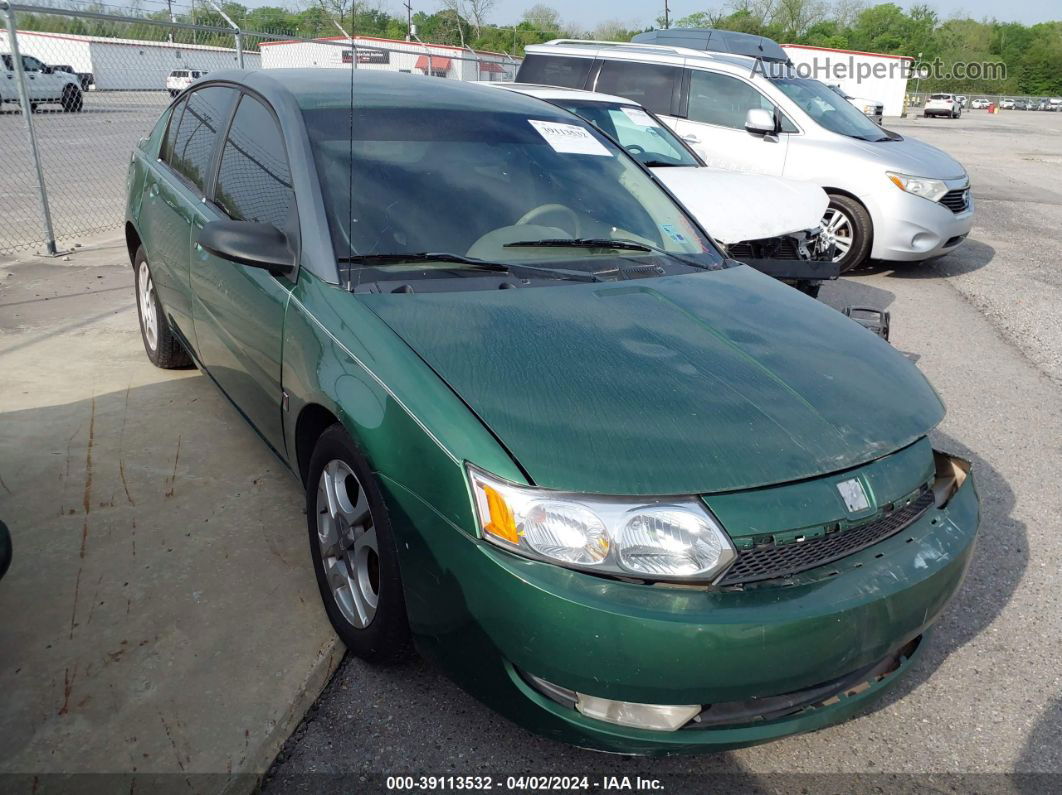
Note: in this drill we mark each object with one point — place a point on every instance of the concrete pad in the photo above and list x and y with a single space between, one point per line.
161 614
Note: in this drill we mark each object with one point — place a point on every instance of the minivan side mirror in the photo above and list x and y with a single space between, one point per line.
248 243
760 121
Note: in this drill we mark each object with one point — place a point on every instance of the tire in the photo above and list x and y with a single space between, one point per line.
162 347
173 93
848 225
72 100
353 551
33 107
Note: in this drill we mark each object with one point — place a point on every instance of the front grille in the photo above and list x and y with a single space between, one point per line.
956 200
771 561
784 247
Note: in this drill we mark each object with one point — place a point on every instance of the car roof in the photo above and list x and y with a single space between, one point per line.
318 89
555 92
646 53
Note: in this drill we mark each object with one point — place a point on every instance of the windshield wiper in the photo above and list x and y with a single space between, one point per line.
472 263
595 242
659 163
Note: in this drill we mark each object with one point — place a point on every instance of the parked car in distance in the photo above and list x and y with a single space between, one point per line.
1021 104
86 79
43 84
179 79
1054 104
754 217
1006 104
895 198
942 105
871 108
696 512
962 99
979 104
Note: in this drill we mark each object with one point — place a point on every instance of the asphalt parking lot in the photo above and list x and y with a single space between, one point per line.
84 157
222 618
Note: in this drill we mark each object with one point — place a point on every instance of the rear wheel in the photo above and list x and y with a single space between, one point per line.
847 226
353 551
72 101
162 347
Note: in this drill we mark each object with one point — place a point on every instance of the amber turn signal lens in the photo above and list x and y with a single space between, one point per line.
502 522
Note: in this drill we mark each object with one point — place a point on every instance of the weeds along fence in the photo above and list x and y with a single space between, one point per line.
80 87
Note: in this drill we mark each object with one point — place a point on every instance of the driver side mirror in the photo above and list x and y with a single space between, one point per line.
47 70
248 243
760 121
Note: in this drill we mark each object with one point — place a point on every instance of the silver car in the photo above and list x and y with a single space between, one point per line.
891 198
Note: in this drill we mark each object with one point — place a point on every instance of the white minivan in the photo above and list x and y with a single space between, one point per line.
891 198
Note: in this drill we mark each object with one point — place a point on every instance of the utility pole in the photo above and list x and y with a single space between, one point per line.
409 19
667 16
169 10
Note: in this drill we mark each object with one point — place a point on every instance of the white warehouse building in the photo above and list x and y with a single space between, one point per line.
370 52
866 75
125 64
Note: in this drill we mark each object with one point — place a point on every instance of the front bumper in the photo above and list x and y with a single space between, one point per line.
909 228
488 616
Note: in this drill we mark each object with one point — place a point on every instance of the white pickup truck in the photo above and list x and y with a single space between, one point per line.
43 84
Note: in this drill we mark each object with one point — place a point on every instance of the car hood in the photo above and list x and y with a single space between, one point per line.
691 384
734 207
913 157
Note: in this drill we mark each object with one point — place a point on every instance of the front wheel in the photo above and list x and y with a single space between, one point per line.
847 226
353 551
72 101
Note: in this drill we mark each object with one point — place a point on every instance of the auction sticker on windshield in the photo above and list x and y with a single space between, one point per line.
640 117
569 138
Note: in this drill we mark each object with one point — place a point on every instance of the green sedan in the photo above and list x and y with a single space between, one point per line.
631 494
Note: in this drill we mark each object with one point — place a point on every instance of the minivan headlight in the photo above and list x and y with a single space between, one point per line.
932 189
666 539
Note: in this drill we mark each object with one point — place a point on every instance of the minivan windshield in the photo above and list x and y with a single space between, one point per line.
493 186
826 107
636 130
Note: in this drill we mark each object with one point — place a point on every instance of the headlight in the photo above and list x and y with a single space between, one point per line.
869 109
932 189
651 539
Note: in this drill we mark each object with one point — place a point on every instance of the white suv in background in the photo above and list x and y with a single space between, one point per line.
43 84
179 79
891 198
943 105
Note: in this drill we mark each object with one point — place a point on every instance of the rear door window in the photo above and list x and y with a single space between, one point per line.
193 148
650 85
166 149
555 70
254 181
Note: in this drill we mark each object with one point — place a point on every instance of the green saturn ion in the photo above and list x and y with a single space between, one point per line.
629 493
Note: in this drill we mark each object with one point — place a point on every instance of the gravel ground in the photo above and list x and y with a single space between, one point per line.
985 698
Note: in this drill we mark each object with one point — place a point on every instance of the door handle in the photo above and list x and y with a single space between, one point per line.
690 138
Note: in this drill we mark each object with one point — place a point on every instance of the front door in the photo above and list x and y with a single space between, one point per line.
715 125
238 311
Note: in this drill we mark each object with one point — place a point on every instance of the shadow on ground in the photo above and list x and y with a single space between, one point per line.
969 257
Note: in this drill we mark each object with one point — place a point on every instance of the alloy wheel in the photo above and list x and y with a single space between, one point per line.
347 537
148 315
836 229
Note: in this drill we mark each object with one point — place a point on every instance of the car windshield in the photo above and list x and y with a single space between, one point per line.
828 109
499 187
636 130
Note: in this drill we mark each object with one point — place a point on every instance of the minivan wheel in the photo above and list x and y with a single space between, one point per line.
162 347
847 226
353 551
72 100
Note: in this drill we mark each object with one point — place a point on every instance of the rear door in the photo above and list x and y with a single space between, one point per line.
238 310
174 190
713 123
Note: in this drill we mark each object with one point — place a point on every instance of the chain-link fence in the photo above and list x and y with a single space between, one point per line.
1005 101
79 87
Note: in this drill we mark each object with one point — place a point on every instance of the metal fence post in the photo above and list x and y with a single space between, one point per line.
27 114
237 33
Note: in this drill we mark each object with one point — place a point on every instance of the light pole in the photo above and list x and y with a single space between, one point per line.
667 16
